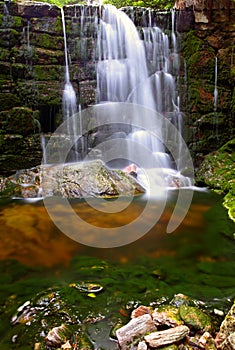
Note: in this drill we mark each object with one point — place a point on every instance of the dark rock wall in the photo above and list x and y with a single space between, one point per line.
211 38
32 72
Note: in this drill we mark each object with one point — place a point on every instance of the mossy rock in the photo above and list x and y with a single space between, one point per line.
4 54
21 71
201 95
8 101
5 71
202 65
48 72
17 150
21 120
9 37
47 57
192 44
196 318
8 21
28 93
48 25
47 41
217 171
48 94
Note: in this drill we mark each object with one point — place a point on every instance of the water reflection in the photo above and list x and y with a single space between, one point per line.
29 235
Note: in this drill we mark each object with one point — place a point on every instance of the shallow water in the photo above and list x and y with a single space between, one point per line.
197 259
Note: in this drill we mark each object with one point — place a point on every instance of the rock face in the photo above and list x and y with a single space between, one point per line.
32 71
208 98
77 180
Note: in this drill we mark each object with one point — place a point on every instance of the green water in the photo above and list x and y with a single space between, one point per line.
41 265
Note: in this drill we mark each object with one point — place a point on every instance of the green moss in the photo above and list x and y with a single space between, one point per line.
195 318
21 71
218 172
8 101
48 25
9 37
19 120
191 44
201 94
50 72
4 54
202 64
47 41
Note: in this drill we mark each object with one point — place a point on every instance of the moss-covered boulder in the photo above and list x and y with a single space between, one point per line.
217 171
77 180
196 318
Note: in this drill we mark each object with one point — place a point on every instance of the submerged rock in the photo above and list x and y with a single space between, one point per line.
73 180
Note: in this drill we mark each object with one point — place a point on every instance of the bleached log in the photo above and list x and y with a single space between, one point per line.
135 328
168 336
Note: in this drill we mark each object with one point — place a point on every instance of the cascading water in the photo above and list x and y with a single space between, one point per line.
215 87
215 100
69 96
139 71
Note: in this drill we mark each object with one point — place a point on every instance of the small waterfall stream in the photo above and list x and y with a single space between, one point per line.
215 88
69 96
215 100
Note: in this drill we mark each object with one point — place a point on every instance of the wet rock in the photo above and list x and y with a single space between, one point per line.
227 328
56 337
142 346
207 341
229 343
168 336
181 299
135 328
77 180
34 9
140 311
195 318
167 315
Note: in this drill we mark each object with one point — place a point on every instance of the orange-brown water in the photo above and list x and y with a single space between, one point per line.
29 235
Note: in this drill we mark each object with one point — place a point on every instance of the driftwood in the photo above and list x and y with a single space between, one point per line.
136 327
168 336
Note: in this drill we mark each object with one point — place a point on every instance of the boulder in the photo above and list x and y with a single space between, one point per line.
73 180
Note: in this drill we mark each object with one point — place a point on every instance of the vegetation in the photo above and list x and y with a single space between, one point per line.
156 4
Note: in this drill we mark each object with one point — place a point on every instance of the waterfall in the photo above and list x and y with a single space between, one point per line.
215 86
69 96
139 68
